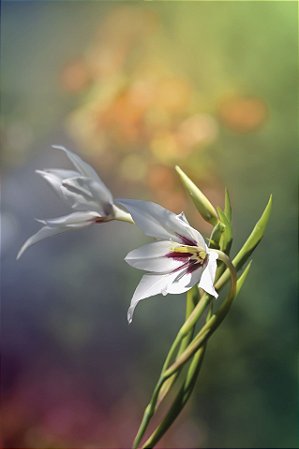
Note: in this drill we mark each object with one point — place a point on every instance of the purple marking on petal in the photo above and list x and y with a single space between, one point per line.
176 255
187 240
193 266
184 265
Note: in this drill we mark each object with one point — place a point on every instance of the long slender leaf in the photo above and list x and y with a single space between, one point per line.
254 238
243 277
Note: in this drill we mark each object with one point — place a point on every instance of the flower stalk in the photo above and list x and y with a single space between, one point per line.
178 261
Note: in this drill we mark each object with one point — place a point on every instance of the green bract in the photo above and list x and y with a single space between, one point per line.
201 202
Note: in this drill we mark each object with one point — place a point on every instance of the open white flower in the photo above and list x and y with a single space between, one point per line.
84 192
174 264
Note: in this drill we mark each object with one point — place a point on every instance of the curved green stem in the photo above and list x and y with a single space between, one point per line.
158 393
209 328
182 396
191 301
180 400
199 340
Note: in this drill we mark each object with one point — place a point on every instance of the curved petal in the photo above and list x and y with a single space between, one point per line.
86 170
53 175
91 193
58 225
79 202
153 257
156 221
79 184
64 184
150 285
208 276
183 217
43 233
74 220
56 177
185 280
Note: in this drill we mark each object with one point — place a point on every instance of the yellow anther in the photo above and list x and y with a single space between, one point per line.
197 252
202 255
185 249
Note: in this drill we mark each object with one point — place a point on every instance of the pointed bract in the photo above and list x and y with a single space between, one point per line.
201 202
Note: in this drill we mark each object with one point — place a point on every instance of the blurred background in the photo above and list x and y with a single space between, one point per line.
136 88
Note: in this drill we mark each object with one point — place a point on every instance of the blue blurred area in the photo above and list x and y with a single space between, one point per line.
136 89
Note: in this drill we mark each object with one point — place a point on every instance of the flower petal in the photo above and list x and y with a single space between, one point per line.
208 276
87 171
91 194
74 220
43 233
158 222
55 177
185 280
150 285
154 284
63 183
153 257
183 217
58 225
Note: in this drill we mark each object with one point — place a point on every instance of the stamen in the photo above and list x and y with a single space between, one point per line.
192 253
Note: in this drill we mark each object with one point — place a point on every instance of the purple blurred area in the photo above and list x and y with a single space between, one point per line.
135 89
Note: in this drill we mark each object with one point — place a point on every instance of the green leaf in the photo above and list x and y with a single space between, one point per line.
243 277
254 238
227 206
201 202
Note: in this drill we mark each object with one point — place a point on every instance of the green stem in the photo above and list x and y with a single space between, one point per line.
156 396
181 398
209 328
191 301
199 340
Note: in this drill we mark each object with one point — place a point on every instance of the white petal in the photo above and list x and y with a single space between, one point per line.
154 284
43 233
208 276
55 178
86 170
149 217
150 285
153 257
57 175
184 281
182 217
158 222
74 220
77 199
58 225
91 193
79 184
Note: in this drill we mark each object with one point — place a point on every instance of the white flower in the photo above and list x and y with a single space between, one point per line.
174 264
84 192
